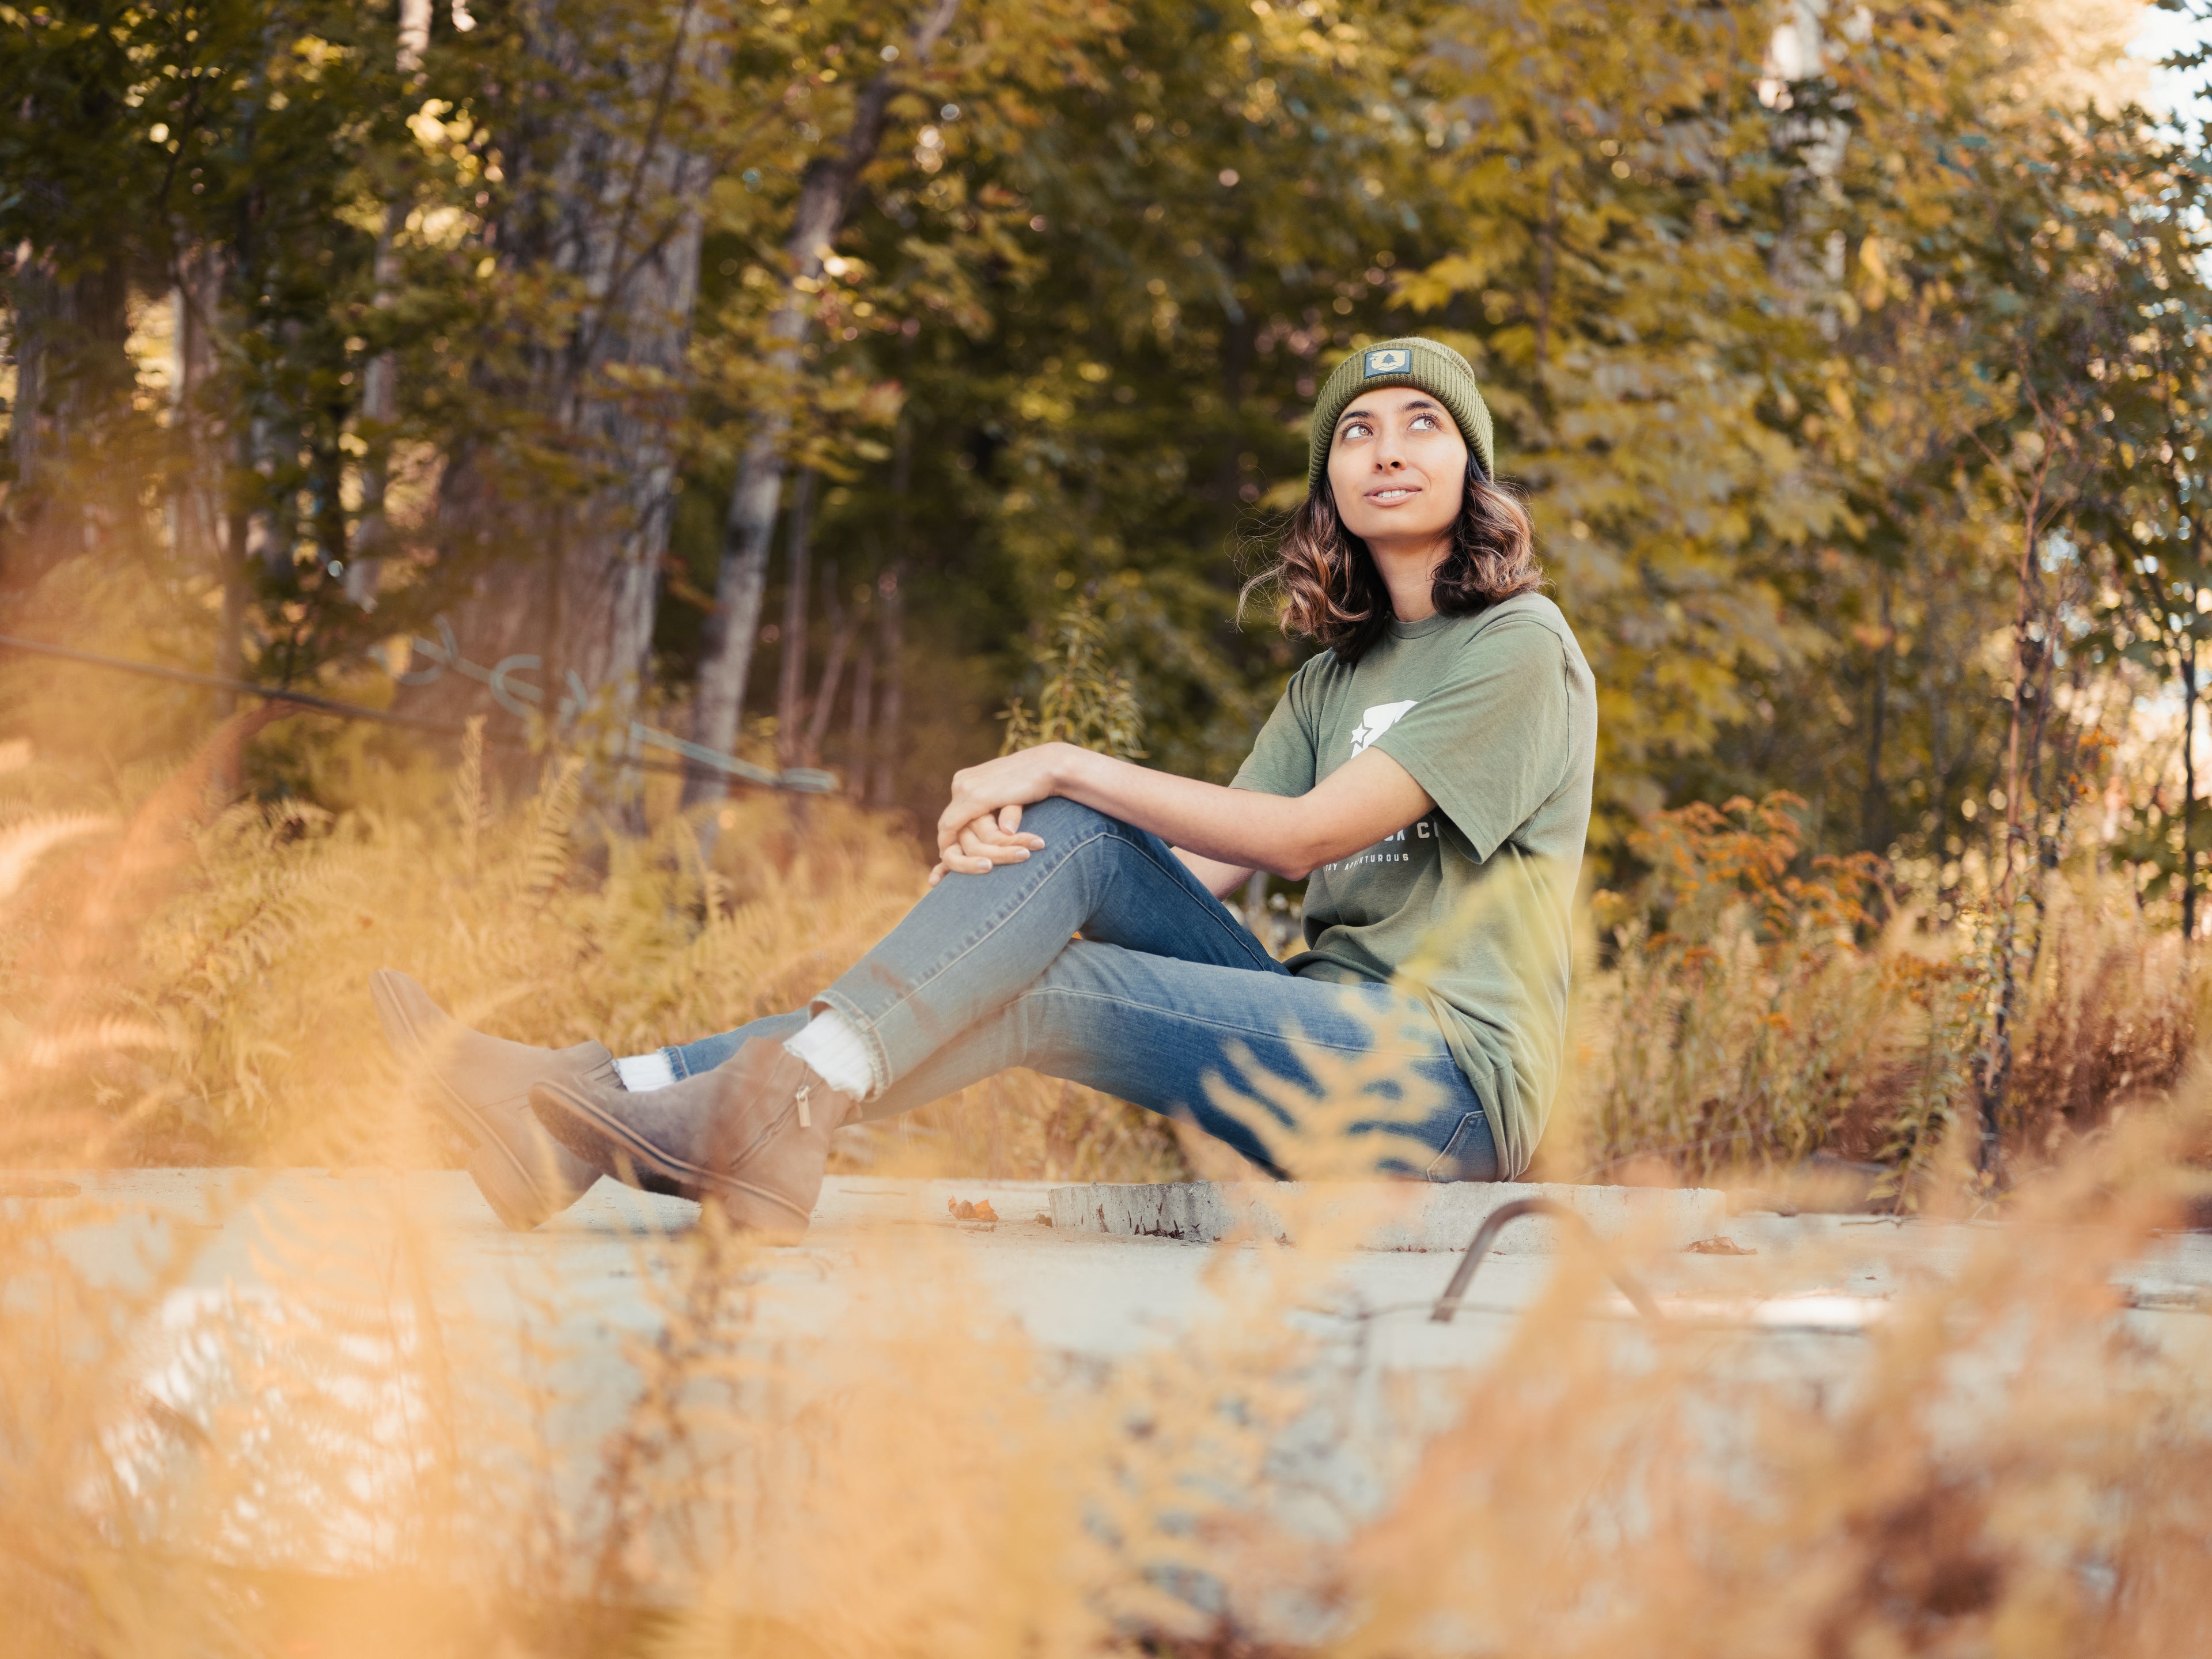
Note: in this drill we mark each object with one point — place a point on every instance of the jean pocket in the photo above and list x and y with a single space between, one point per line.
1448 1154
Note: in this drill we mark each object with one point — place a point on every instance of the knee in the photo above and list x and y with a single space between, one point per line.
1056 817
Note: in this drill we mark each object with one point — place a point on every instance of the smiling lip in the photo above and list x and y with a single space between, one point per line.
1392 493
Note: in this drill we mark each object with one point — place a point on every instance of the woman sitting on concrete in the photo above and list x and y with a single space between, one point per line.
1428 772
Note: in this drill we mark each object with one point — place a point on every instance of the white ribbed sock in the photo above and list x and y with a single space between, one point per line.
837 1052
643 1073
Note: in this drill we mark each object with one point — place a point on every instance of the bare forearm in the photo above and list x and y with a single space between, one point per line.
1232 829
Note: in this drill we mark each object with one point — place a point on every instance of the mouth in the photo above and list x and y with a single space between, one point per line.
1391 496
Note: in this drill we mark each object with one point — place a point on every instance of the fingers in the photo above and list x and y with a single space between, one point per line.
1005 826
986 832
957 863
981 839
982 844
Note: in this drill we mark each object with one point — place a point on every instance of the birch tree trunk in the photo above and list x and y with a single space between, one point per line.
195 505
607 209
791 684
380 389
825 194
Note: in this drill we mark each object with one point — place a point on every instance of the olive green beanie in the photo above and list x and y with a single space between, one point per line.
1433 366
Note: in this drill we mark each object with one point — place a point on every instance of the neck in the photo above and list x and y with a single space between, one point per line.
1408 569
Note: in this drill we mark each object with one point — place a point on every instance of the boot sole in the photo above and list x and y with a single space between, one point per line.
516 1196
614 1145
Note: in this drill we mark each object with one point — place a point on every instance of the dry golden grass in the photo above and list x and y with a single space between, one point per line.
1750 1017
190 977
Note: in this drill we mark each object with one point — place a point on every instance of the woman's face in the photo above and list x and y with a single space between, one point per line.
1397 467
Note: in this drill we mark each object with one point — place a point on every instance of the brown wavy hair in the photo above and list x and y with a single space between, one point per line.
1332 593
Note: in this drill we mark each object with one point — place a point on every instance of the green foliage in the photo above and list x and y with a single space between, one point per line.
1796 352
1085 699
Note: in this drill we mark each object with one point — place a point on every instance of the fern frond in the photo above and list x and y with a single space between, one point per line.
23 845
553 815
469 805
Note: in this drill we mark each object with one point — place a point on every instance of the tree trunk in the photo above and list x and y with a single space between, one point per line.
380 381
1874 833
195 507
824 194
35 304
1996 1069
791 687
891 592
73 373
1940 760
237 553
859 751
608 203
2189 793
844 625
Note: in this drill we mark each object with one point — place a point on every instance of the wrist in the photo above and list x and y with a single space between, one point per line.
1072 767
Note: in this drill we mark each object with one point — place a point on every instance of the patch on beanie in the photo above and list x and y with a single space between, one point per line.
1391 359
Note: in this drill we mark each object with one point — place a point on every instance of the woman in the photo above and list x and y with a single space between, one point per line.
1429 773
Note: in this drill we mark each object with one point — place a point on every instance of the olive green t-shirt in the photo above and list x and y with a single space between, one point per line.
1495 715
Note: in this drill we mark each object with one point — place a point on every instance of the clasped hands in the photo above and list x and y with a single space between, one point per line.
981 827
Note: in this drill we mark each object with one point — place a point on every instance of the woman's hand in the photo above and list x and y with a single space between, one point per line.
985 843
980 826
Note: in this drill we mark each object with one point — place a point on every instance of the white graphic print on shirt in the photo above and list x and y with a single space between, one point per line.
1372 725
1378 721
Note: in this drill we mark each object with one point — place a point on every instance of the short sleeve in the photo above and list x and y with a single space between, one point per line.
1493 743
1282 759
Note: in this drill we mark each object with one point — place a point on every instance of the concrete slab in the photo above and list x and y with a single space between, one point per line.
321 1318
1396 1216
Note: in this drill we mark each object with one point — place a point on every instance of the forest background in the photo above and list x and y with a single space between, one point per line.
808 380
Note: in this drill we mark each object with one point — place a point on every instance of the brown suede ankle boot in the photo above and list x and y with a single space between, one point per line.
482 1084
752 1135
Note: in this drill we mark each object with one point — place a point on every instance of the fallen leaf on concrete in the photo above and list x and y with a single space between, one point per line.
1718 1245
984 1212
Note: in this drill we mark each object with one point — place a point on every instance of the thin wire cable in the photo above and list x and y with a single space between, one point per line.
807 784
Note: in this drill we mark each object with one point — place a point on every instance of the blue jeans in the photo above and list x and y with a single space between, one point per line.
1166 1000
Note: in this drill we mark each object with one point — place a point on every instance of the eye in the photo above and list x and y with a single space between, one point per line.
1425 423
1357 429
